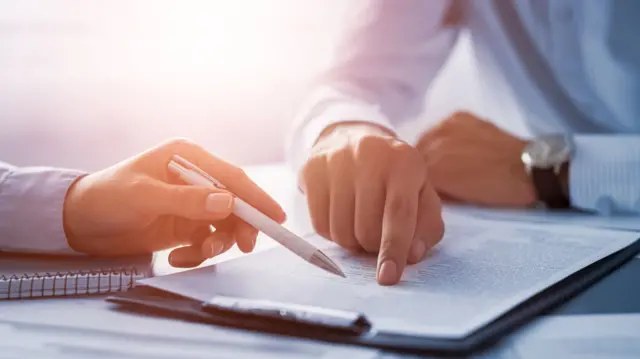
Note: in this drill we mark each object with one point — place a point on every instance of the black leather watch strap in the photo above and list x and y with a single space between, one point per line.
549 188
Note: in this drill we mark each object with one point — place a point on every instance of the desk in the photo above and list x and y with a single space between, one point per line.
86 327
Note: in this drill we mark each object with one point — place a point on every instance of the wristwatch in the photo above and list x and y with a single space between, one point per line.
544 159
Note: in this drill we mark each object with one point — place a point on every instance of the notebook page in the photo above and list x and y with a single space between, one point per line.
480 270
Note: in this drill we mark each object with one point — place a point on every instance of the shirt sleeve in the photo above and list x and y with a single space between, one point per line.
604 174
382 69
31 204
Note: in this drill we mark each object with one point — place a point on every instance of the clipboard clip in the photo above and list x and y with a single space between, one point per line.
286 313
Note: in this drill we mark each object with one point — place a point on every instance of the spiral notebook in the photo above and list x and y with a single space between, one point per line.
33 275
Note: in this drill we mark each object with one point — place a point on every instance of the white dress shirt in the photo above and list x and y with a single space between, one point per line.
572 65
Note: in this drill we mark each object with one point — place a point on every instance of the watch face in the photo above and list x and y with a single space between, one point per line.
547 152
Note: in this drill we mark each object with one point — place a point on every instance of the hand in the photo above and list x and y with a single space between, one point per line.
473 161
368 190
137 206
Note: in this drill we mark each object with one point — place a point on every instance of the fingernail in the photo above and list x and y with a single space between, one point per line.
417 250
216 248
219 202
185 257
388 273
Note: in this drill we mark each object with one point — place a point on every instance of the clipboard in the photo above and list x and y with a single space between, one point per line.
355 328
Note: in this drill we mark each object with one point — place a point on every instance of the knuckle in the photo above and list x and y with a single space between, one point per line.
401 148
340 159
409 163
181 143
312 179
401 206
372 158
406 154
368 223
312 169
348 244
141 186
342 234
344 240
369 239
371 146
368 233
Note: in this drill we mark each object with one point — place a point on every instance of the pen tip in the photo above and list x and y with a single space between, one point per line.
337 271
322 261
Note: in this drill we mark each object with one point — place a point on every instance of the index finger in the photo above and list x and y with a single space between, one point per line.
398 228
232 177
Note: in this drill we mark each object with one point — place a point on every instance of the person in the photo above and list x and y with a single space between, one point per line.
133 207
574 68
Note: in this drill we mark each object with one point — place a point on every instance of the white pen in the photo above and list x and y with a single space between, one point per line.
193 175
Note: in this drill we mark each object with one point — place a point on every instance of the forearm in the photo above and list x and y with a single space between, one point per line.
381 72
604 173
31 208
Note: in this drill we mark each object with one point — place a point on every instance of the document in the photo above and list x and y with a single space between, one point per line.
480 270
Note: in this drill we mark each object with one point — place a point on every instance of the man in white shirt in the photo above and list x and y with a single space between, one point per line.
133 207
574 67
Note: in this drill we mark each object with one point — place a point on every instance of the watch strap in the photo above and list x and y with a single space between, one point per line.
549 188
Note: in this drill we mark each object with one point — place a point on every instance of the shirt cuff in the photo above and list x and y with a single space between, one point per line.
31 209
604 173
336 112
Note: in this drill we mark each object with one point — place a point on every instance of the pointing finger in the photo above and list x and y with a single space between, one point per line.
398 227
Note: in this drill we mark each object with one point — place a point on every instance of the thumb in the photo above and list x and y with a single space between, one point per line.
191 202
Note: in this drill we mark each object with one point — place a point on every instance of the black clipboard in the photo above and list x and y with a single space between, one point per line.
354 328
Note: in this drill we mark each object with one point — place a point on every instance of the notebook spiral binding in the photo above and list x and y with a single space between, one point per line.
69 283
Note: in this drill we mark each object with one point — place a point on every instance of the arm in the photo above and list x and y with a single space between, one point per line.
130 208
383 68
604 173
31 203
365 188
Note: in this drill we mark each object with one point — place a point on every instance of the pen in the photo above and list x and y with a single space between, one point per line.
193 175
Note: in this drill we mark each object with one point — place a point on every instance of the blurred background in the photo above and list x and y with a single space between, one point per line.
86 83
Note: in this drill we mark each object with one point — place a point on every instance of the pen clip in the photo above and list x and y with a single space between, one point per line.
278 312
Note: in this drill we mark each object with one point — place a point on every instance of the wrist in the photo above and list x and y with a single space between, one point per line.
71 212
